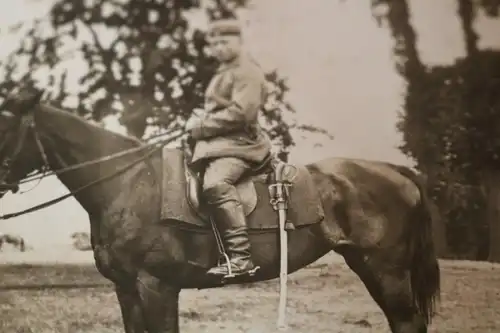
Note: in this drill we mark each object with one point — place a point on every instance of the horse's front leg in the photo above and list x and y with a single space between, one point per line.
160 302
131 308
149 306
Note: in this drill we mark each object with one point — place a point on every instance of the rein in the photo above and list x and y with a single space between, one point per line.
27 122
95 182
95 161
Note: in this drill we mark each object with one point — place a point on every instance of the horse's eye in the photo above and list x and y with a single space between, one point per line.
6 114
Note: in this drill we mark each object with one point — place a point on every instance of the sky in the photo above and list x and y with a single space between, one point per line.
341 73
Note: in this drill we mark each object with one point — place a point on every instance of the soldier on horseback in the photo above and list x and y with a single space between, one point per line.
228 141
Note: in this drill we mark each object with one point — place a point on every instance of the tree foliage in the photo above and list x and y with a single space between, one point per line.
451 116
455 121
144 59
451 128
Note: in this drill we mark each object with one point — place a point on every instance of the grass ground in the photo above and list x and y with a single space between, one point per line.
325 297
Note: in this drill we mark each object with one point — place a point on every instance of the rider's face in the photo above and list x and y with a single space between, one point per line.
225 48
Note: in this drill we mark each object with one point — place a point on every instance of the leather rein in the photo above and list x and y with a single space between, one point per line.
27 123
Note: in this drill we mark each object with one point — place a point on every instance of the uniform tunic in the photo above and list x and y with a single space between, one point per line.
230 127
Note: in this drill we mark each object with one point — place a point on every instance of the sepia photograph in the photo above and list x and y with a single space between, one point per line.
249 166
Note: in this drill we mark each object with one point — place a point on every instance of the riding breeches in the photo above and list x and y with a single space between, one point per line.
219 179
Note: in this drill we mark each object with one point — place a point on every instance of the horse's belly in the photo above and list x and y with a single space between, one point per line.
196 252
304 247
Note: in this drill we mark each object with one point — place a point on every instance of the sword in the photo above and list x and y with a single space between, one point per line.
280 203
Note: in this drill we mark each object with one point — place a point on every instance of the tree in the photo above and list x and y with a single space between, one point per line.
488 175
81 241
145 63
450 124
412 70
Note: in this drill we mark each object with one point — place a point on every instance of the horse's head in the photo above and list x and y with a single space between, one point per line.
20 146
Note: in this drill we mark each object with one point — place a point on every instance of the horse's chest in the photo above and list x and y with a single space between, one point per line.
115 251
114 265
118 243
104 261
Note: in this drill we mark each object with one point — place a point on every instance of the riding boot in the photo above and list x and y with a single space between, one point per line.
230 219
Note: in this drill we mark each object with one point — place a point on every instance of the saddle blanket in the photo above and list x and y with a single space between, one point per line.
304 205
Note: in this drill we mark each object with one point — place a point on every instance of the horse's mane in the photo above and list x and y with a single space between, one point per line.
94 128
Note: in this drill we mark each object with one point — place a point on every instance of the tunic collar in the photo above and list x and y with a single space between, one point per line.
231 64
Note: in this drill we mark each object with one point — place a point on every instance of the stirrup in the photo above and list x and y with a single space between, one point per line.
231 274
248 273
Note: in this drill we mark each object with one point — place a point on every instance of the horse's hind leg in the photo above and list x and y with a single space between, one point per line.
389 285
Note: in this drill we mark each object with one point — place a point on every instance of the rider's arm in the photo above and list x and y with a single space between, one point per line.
246 100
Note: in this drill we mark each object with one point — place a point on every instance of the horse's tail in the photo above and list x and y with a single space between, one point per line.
425 273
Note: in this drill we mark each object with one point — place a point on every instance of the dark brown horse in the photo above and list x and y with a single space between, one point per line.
381 207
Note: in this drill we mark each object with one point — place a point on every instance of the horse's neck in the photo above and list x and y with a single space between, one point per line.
71 141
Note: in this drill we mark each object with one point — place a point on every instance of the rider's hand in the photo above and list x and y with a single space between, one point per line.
193 122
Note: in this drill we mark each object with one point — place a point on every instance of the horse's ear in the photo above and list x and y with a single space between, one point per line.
37 97
30 100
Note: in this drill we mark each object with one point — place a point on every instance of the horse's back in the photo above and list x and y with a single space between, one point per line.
386 179
376 199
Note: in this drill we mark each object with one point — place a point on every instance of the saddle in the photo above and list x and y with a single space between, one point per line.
182 207
182 200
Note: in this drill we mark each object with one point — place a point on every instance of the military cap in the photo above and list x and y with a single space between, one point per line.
224 27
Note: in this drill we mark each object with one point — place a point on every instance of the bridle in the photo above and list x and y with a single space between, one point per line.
26 123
